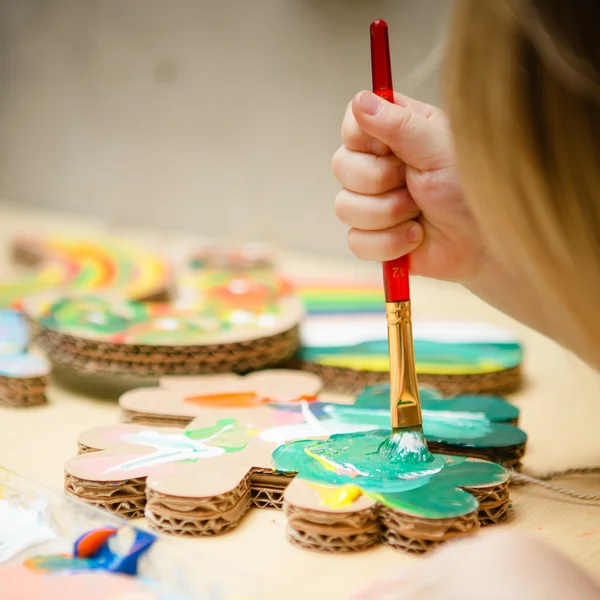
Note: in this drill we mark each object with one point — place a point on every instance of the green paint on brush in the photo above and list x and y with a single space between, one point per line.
406 446
430 489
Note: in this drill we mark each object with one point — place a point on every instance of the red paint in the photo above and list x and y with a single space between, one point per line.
395 272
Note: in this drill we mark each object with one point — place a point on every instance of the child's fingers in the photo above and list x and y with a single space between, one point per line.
420 142
373 213
354 138
387 244
366 173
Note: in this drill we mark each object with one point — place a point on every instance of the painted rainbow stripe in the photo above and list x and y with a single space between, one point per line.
358 342
88 265
432 358
341 296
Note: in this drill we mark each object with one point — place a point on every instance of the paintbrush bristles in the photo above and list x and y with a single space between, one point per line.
406 446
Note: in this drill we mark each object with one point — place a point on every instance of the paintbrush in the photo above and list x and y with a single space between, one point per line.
407 442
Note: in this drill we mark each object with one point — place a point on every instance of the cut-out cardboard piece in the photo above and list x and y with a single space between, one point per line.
23 376
233 321
467 425
350 351
283 408
198 481
202 479
345 498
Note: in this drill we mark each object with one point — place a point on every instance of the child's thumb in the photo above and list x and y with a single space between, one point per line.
415 139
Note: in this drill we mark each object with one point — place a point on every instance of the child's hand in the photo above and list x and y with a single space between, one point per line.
401 192
494 566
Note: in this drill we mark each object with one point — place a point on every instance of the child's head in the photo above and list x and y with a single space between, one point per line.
523 93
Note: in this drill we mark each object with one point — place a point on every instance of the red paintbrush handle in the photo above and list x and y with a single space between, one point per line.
395 279
395 272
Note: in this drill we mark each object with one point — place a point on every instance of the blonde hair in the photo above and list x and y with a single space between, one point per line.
523 97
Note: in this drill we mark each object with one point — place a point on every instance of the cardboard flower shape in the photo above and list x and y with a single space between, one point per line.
248 399
348 496
201 477
197 481
283 406
474 425
202 480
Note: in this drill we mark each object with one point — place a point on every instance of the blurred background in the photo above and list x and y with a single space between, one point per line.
210 117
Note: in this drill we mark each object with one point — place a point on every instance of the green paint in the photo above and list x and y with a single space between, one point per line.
430 490
430 357
93 314
227 434
126 321
494 408
465 421
406 446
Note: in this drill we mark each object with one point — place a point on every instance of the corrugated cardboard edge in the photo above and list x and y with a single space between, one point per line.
20 392
152 361
351 381
355 531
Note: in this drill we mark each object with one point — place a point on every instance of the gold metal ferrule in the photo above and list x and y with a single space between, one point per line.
405 405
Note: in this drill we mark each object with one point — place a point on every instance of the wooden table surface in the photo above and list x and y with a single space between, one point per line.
560 405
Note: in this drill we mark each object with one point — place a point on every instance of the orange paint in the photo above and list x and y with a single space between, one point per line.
92 542
226 400
242 400
288 400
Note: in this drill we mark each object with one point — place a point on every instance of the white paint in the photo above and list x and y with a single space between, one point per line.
267 320
461 332
342 330
347 330
241 317
312 427
23 527
170 447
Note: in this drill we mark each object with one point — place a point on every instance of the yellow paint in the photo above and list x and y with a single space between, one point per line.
366 362
326 464
337 497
